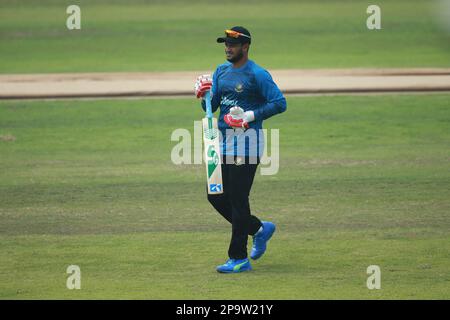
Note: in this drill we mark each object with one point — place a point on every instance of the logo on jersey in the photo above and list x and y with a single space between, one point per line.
239 160
239 88
228 102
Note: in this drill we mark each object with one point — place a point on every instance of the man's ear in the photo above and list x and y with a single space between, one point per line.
246 46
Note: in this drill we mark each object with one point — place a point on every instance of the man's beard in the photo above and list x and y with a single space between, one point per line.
236 58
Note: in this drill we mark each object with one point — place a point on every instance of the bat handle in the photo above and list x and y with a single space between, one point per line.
208 104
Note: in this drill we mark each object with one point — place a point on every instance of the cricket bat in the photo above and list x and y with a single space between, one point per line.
212 150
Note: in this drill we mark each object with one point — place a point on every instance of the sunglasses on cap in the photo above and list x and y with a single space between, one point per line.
235 34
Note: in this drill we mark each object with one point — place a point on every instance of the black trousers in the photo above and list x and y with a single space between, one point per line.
234 205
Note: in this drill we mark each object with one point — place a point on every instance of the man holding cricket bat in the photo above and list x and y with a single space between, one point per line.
246 95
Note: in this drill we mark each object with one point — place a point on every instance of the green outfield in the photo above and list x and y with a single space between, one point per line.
180 35
363 180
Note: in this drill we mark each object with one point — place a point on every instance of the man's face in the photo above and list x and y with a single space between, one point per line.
233 51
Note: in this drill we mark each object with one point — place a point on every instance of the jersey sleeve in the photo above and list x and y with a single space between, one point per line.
275 101
215 100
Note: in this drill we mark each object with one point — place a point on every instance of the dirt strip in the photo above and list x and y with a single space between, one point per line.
173 84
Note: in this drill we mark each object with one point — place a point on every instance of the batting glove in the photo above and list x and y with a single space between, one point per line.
237 118
203 84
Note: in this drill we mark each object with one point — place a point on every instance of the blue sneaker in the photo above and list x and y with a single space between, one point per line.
235 266
260 240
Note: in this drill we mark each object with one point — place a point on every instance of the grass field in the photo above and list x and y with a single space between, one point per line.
363 180
180 35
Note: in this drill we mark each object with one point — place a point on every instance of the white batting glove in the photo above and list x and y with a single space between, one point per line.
237 118
237 113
